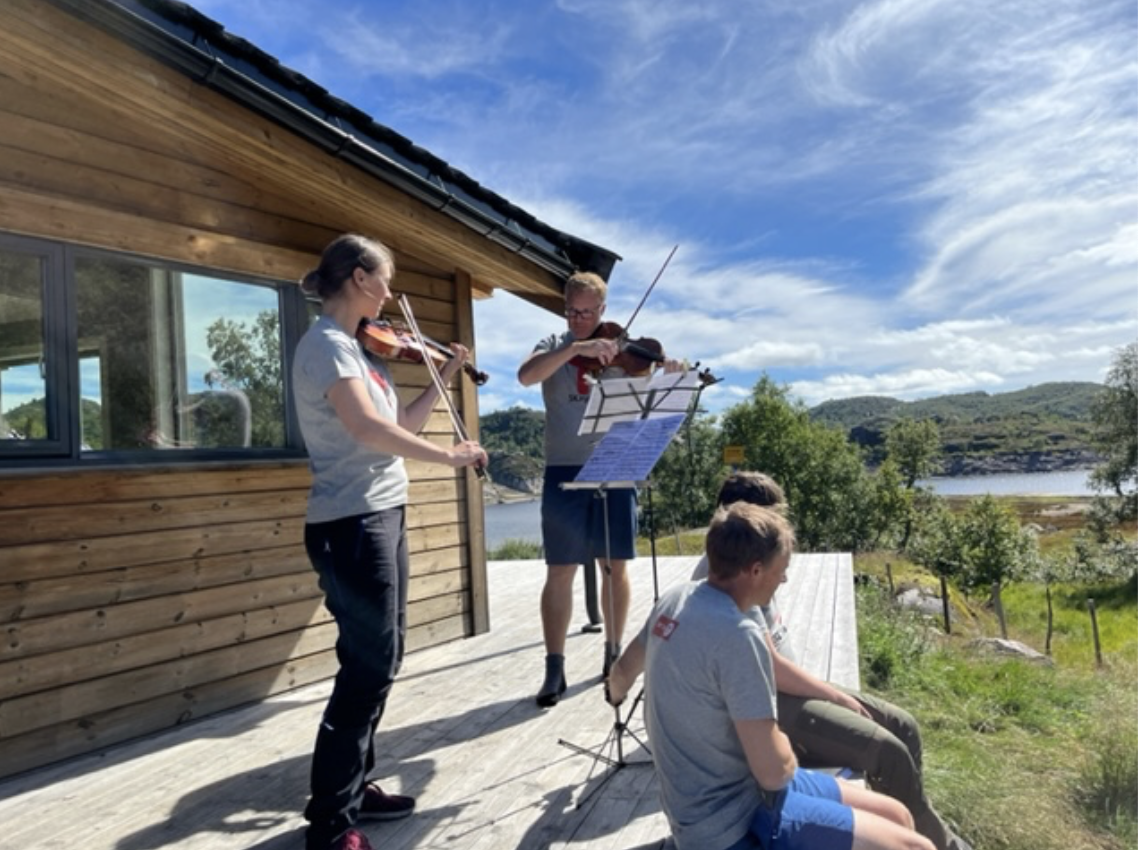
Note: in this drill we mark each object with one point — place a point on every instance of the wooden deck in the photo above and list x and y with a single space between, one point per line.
461 733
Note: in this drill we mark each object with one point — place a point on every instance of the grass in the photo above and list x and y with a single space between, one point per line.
514 550
1020 755
1057 741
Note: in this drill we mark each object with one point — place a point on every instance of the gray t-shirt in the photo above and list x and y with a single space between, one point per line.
771 617
347 479
566 395
707 666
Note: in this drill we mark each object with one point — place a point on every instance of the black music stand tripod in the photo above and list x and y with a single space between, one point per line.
638 417
611 751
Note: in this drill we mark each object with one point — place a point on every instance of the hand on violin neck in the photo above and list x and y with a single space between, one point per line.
454 364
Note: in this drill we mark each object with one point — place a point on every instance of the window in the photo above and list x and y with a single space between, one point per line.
155 360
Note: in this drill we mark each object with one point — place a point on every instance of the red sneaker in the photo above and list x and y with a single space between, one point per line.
353 839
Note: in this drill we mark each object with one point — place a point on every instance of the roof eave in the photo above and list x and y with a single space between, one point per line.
211 70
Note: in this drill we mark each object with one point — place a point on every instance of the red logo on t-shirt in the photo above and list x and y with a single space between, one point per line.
378 378
664 627
582 384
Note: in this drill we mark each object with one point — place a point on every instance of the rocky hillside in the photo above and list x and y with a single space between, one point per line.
1037 429
513 439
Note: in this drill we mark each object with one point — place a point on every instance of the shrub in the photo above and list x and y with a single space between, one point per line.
1107 786
515 550
890 639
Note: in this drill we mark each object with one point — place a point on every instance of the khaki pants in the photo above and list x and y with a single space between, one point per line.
887 752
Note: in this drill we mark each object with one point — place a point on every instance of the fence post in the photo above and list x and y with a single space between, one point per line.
889 578
1094 631
999 603
944 602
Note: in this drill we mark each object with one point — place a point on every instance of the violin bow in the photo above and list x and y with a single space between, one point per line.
651 286
436 378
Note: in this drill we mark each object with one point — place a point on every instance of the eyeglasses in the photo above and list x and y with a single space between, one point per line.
574 313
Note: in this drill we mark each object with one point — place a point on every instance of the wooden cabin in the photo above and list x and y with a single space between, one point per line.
163 185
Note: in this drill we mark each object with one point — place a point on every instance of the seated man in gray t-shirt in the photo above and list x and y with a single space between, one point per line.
830 726
727 773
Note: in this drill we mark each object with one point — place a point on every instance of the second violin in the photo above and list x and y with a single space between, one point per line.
384 339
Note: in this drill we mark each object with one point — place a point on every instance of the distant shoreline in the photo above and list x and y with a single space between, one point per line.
496 494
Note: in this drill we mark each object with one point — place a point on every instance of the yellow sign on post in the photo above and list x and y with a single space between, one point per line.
732 455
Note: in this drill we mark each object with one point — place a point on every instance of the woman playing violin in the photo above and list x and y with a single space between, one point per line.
357 434
572 525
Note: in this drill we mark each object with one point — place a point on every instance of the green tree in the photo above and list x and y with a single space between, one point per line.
995 548
514 440
28 420
1100 557
1115 435
991 542
937 544
914 446
686 479
516 431
892 504
249 360
822 473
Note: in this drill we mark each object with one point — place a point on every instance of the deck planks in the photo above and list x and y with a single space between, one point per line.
461 732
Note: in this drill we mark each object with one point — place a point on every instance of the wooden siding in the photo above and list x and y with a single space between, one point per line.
132 601
135 599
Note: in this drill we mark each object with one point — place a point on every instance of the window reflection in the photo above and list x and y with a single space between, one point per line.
23 385
174 361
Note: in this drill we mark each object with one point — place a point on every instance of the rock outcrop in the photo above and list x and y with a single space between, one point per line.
1018 462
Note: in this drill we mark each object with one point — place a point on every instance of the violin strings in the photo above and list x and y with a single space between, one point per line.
436 378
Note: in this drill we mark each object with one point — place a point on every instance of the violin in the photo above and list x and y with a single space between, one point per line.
636 357
383 338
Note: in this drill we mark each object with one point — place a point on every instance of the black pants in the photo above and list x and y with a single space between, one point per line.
363 565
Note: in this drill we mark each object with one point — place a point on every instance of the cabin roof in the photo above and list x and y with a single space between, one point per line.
201 48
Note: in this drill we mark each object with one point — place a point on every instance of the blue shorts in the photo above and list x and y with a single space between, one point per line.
573 521
807 815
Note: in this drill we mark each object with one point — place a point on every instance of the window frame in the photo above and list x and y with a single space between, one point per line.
62 365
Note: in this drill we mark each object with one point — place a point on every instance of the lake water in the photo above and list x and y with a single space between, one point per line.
1070 482
522 520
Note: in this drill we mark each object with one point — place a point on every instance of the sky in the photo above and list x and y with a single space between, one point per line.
907 198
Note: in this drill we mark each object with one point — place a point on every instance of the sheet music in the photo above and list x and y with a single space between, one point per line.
622 399
628 450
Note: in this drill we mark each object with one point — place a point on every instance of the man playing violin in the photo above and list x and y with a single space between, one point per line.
572 522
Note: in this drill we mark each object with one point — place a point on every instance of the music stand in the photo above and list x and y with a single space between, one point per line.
621 398
637 419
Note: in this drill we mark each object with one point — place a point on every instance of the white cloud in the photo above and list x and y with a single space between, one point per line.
458 39
901 196
905 385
